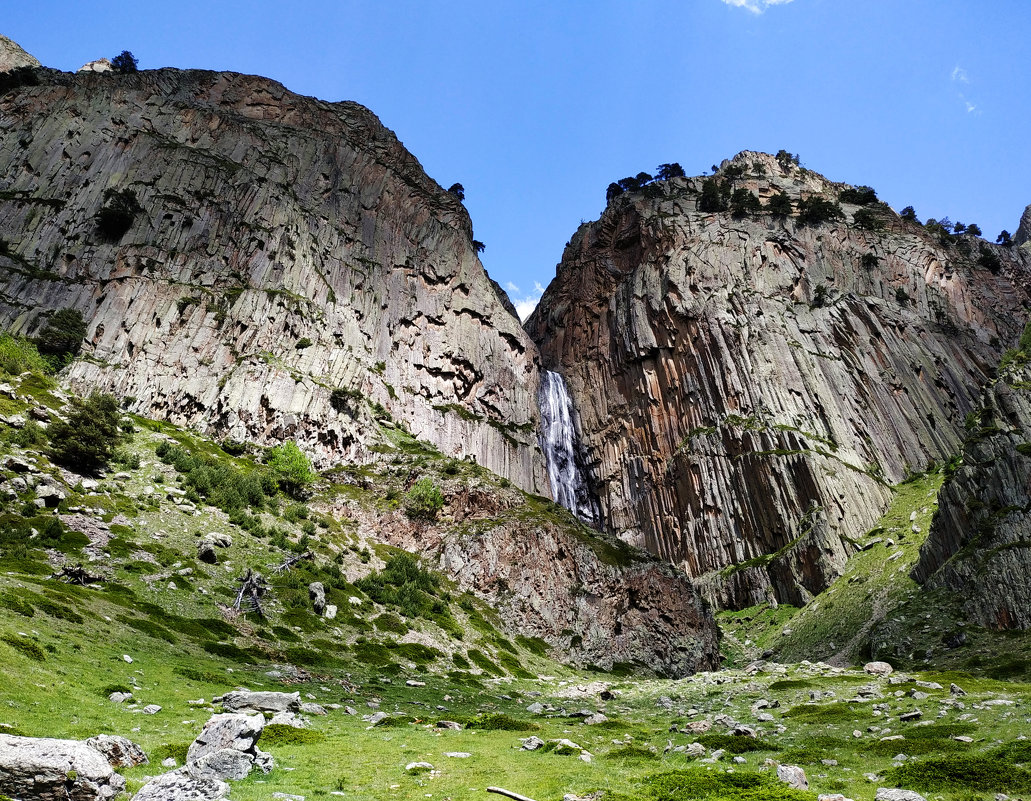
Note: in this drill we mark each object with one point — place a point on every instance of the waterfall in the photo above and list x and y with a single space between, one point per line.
568 483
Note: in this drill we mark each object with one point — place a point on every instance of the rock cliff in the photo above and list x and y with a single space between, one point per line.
980 539
12 56
292 272
749 385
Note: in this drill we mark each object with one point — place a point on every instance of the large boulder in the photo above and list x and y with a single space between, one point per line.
226 763
236 732
183 784
121 752
45 769
244 701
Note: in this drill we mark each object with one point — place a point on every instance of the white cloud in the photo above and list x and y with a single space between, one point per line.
755 6
510 287
960 74
970 106
527 304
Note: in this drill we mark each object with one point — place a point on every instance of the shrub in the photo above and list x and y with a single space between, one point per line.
909 215
902 296
219 484
290 468
457 190
735 744
743 202
61 338
979 773
867 220
715 196
406 586
19 76
124 63
116 216
815 210
859 195
988 260
18 355
424 500
869 261
498 721
87 440
696 783
779 205
665 172
819 297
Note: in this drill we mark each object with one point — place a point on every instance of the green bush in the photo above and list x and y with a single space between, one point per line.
735 744
404 585
859 195
61 338
18 355
744 202
87 440
498 721
218 483
815 210
981 773
715 196
116 216
290 468
779 205
424 500
696 783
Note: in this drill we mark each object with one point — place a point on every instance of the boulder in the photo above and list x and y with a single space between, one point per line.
45 769
226 763
793 776
317 594
245 701
238 732
878 668
894 794
206 552
99 65
183 785
121 752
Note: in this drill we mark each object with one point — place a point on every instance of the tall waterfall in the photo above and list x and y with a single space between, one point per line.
560 450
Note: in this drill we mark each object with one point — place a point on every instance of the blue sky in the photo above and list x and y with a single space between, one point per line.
536 106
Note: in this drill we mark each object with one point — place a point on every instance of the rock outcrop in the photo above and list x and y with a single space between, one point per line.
46 769
749 386
597 601
979 544
293 272
13 57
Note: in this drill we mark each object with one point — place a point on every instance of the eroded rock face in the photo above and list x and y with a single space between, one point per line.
979 544
748 387
287 248
597 601
12 56
46 769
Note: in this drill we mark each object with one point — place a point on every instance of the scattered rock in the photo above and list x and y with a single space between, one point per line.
955 689
418 767
535 708
120 751
238 732
225 763
449 724
894 794
415 683
183 785
457 754
595 719
46 769
151 709
317 594
313 709
119 698
532 743
878 668
916 714
206 553
793 776
243 700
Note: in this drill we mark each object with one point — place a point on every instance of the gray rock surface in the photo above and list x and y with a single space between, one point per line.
121 752
242 700
225 763
894 794
183 785
979 544
287 247
793 776
39 768
747 386
233 731
12 56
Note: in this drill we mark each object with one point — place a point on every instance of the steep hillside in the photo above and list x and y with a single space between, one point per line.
268 266
980 541
751 380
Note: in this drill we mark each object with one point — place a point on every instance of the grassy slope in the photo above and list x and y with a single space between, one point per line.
62 652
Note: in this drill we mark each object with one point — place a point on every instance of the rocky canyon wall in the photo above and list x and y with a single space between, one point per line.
293 273
749 386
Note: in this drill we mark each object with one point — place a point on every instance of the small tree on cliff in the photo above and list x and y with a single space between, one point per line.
457 190
124 63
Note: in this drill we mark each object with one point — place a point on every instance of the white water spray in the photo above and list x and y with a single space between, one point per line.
559 444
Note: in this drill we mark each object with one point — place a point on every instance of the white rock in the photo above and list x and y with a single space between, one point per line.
893 794
793 776
878 668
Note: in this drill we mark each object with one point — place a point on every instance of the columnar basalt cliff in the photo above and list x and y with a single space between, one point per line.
749 385
293 272
980 539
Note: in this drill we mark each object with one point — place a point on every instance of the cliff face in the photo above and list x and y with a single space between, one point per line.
748 386
293 271
12 56
979 543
